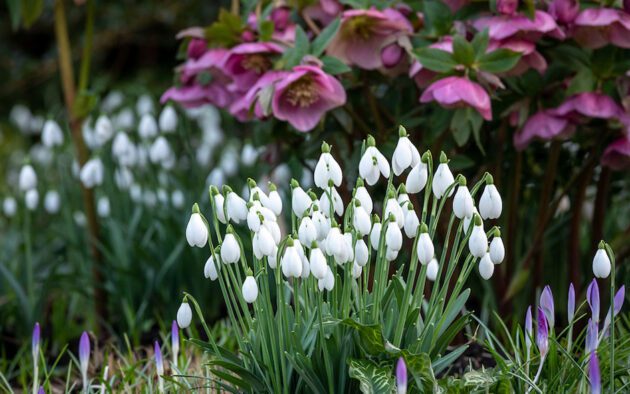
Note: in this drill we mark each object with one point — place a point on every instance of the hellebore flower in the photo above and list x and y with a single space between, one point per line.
617 155
210 269
547 306
542 125
501 27
27 179
598 27
454 92
304 95
51 134
592 297
196 231
241 107
530 57
184 315
594 374
571 303
250 290
588 104
373 163
247 62
364 34
542 335
84 357
564 11
601 264
196 48
486 267
327 169
323 11
401 376
507 7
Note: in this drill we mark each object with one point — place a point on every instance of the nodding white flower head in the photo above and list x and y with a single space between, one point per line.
230 249
184 315
291 261
443 178
123 150
405 155
478 241
373 163
468 220
263 243
393 235
144 105
321 222
27 179
249 154
391 254
52 201
51 134
235 206
361 219
328 282
113 100
103 130
418 176
393 208
306 266
490 205
337 202
432 269
274 230
125 119
497 250
160 150
318 263
256 193
327 169
307 233
210 269
336 246
9 206
31 199
463 203
411 221
601 262
424 248
300 200
177 198
91 174
148 127
196 230
272 259
219 204
375 234
356 270
361 253
275 201
168 119
349 246
103 207
124 178
486 267
250 289
363 196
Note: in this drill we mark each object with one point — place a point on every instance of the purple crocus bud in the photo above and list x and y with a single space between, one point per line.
84 352
617 154
617 304
571 303
454 92
592 332
35 341
507 7
592 297
542 337
41 390
594 374
159 361
529 330
546 303
175 338
401 376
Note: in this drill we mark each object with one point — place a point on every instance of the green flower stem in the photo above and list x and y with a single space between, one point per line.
296 300
203 322
437 286
427 191
381 263
402 317
277 349
237 284
329 373
28 251
435 219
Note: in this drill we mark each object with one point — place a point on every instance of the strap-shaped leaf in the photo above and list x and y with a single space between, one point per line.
373 378
304 368
325 36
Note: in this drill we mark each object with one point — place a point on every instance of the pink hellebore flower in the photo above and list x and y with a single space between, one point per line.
597 27
564 11
530 57
452 92
542 125
617 154
243 105
589 104
422 76
196 48
456 5
304 95
365 33
507 7
323 11
245 63
501 27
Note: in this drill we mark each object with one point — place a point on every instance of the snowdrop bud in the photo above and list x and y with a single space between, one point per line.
266 242
102 207
236 207
28 178
356 270
219 202
405 155
318 263
31 199
336 245
391 254
92 173
210 269
411 222
230 249
361 253
393 236
432 269
300 201
490 205
463 204
291 262
307 233
327 169
103 130
196 230
9 206
363 196
424 249
322 224
250 290
486 267
443 178
275 201
478 241
375 235
393 208
168 119
177 198
144 105
160 150
417 178
328 282
361 220
373 163
52 135
497 250
148 128
272 259
52 201
601 263
184 315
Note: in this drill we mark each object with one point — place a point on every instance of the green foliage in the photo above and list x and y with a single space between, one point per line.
225 31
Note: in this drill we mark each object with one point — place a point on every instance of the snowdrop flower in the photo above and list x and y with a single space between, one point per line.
210 269
391 254
249 155
321 222
52 201
229 161
361 253
424 248
168 119
327 169
356 270
363 196
291 262
250 289
196 230
300 201
336 245
27 179
102 207
306 266
318 263
160 150
601 262
478 241
125 119
349 246
405 155
393 208
307 233
51 134
418 176
235 206
275 201
463 204
443 178
393 236
84 357
272 260
411 222
92 173
361 219
490 205
337 202
113 100
263 243
177 198
256 193
373 163
103 130
148 128
486 267
31 199
375 234
216 177
184 315
468 220
149 198
432 269
328 282
230 249
123 178
144 105
79 218
124 150
9 206
497 250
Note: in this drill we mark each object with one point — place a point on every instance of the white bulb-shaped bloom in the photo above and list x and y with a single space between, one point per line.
486 267
391 254
263 242
125 119
52 201
275 202
249 154
250 290
51 134
102 207
361 253
144 105
307 233
210 269
274 230
291 262
411 222
372 165
327 169
328 282
356 270
490 204
196 231
9 206
219 202
318 263
601 264
392 207
236 207
123 150
349 246
361 221
478 242
336 245
393 237
160 150
300 202
417 178
184 315
364 198
230 249
178 199
273 258
168 119
31 199
306 266
124 179
405 155
148 127
432 269
463 204
424 248
103 130
91 174
28 178
468 219
375 235
442 179
337 202
497 250
322 224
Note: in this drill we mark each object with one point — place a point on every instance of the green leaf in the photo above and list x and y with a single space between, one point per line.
499 60
226 31
15 11
371 337
476 121
463 51
293 56
242 377
325 36
443 362
419 367
435 59
265 29
84 104
305 369
373 378
334 66
480 43
31 10
584 81
437 16
460 127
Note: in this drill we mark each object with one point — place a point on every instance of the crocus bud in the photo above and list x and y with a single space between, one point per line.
406 155
571 303
159 361
31 199
591 339
184 315
327 169
92 173
463 204
210 269
84 357
373 164
490 205
547 306
529 330
318 263
443 178
230 249
594 374
497 250
542 336
361 220
424 249
196 230
148 128
175 341
168 119
507 7
27 179
592 297
51 134
300 202
250 290
478 241
361 253
601 264
35 338
52 201
401 376
417 178
486 267
617 303
364 198
432 270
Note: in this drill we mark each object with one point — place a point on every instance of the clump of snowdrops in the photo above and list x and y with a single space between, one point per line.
325 295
